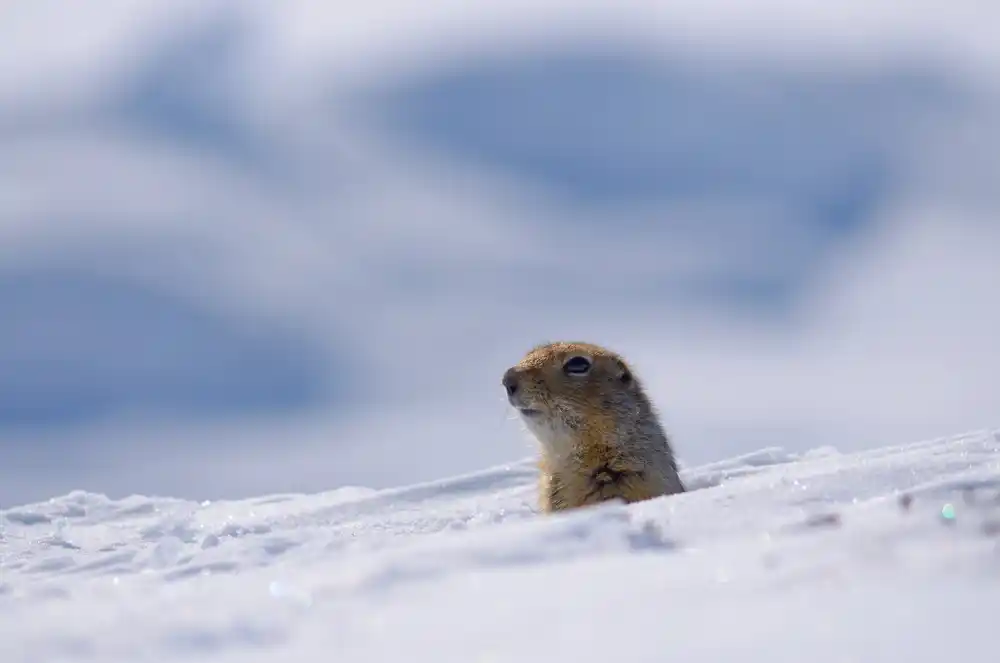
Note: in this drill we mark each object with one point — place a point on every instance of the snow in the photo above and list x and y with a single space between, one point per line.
887 554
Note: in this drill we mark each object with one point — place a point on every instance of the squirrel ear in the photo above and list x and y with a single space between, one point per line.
624 375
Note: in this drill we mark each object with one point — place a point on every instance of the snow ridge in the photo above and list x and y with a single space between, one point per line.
890 553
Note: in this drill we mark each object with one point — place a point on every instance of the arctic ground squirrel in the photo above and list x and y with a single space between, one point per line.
600 437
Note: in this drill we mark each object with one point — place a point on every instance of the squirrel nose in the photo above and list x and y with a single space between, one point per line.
510 382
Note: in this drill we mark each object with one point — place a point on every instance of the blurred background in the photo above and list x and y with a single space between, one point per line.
252 247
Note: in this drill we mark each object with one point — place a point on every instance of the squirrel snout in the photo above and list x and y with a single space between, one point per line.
510 381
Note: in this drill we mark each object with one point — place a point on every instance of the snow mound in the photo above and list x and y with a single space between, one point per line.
890 554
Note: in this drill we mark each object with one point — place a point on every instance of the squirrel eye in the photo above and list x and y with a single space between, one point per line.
576 366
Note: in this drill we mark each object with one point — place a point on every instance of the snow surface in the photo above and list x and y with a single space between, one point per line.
769 556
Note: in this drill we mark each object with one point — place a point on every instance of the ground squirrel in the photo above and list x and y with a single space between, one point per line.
600 437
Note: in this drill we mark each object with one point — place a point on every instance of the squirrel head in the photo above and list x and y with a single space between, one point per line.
563 389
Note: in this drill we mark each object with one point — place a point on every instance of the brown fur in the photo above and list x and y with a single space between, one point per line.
600 436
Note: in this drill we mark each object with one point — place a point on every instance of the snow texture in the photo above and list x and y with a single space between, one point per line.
885 555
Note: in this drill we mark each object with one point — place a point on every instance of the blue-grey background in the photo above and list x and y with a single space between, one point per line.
250 247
